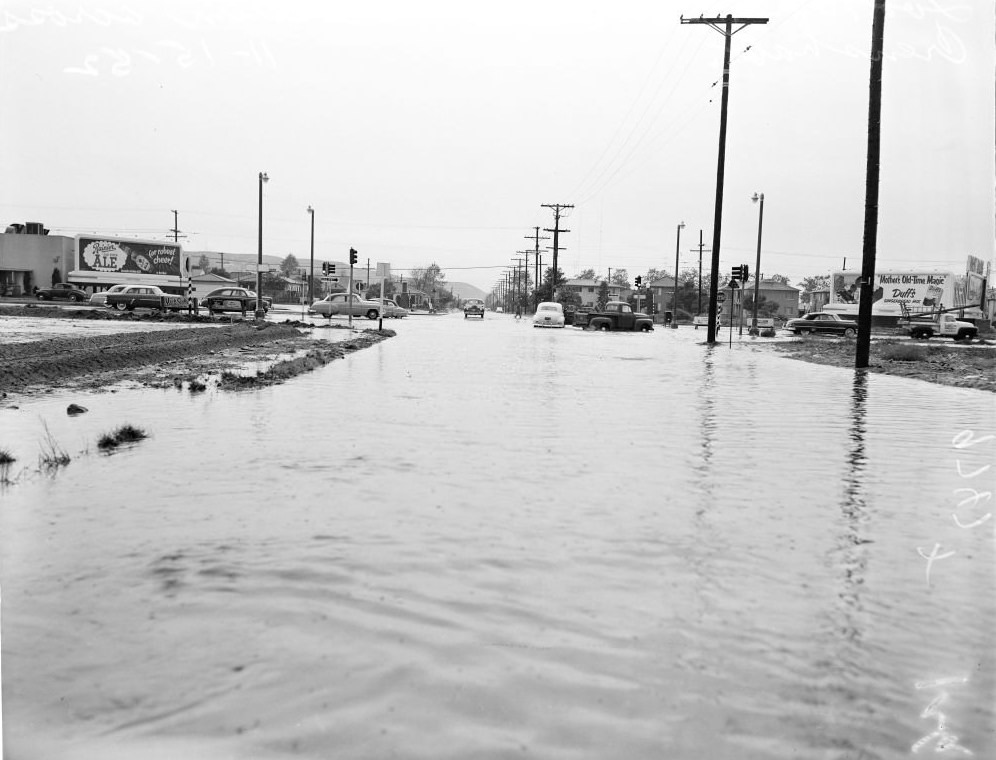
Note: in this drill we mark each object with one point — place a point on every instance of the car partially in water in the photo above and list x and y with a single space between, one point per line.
823 322
474 307
346 304
233 299
549 314
393 311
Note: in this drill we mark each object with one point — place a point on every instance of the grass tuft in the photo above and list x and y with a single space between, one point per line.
6 457
124 434
52 454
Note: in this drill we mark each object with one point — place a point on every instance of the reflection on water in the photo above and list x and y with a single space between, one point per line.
483 540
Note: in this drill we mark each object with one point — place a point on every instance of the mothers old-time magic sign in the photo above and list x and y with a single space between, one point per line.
123 256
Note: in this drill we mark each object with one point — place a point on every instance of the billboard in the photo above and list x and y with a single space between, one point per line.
125 256
914 290
110 260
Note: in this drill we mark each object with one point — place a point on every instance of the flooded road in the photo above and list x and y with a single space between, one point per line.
479 539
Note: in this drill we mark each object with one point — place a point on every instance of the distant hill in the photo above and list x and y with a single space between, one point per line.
463 290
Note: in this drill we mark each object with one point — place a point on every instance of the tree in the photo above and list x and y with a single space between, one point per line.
603 294
587 274
779 278
427 278
620 277
545 291
204 263
220 272
289 266
765 308
815 282
654 274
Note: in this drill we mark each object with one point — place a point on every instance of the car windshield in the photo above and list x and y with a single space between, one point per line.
549 307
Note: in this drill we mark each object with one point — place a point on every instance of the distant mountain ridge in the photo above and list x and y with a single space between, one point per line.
463 290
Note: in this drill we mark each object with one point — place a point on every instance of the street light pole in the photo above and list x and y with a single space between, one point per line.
674 302
757 264
260 311
311 276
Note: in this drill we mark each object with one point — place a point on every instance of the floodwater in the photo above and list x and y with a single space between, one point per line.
484 540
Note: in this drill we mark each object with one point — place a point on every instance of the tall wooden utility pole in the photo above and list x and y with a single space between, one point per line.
557 209
536 253
725 27
868 249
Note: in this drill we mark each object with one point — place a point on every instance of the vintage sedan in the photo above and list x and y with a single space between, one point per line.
823 322
346 304
474 307
61 291
549 314
233 299
145 297
393 311
100 299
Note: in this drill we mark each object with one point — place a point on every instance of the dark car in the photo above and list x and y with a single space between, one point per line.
233 299
473 308
823 322
145 297
61 292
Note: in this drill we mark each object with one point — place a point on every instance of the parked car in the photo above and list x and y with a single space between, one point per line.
346 304
145 297
62 291
233 299
823 322
100 299
474 307
393 311
549 314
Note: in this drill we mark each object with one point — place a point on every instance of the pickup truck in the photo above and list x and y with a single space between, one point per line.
944 325
619 315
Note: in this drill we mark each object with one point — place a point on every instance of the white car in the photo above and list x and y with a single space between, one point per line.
100 299
393 311
344 304
549 314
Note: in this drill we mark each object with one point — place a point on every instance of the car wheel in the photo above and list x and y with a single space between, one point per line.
119 306
78 299
372 314
850 332
802 331
42 296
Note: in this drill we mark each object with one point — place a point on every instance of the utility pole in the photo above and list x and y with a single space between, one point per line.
872 167
175 230
725 27
536 254
701 245
557 209
525 279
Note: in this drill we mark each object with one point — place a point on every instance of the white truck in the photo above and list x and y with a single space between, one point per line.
945 325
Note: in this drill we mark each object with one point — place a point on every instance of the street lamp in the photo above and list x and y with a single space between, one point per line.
674 302
260 311
757 264
311 277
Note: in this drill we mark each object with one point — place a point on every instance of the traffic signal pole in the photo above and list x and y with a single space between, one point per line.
725 27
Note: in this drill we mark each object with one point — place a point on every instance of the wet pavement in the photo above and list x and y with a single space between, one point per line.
479 539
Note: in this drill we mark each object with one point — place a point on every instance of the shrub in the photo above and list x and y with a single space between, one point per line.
6 457
904 352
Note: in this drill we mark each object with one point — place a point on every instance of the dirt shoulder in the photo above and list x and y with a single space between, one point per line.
234 355
961 366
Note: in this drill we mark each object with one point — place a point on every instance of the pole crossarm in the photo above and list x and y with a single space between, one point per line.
718 23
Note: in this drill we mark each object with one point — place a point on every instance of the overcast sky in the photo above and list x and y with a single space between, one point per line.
434 130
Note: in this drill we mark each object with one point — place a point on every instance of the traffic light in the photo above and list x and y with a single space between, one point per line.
352 256
741 273
639 281
332 268
325 269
